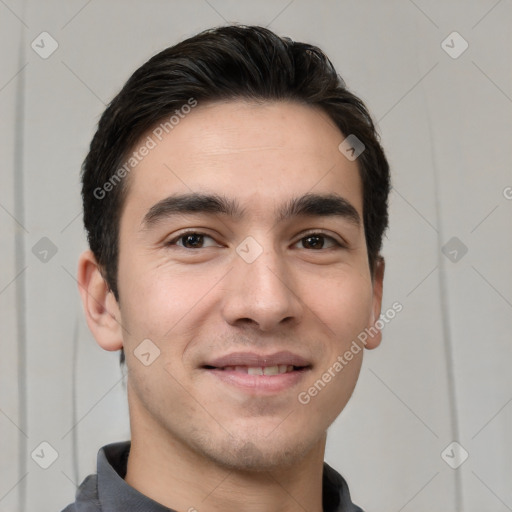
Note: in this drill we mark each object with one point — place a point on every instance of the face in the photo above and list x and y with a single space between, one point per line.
242 252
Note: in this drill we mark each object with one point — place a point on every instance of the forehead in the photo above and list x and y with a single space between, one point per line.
254 152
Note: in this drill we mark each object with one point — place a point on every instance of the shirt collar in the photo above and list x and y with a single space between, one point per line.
114 493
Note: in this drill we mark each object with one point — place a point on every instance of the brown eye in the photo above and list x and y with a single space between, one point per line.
313 242
317 241
193 240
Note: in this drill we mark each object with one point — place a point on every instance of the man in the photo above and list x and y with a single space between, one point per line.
235 199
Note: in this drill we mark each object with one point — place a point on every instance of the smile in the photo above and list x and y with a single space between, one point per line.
259 370
260 380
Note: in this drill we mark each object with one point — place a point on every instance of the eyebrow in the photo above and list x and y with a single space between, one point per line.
310 205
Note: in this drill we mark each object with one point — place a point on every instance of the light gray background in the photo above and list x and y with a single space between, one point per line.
443 371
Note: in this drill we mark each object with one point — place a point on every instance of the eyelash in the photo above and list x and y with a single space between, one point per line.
306 235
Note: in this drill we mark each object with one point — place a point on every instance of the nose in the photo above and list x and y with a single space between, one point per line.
261 293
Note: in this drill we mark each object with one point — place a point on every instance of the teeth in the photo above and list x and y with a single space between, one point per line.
271 370
259 370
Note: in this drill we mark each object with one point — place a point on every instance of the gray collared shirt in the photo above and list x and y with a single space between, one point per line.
107 491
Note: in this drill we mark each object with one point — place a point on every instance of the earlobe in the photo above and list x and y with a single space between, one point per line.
375 334
100 307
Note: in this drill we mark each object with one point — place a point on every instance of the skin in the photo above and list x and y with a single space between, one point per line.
253 451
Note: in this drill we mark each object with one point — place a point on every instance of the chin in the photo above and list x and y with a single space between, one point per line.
256 454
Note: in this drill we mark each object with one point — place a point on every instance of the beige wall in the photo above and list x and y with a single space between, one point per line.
442 373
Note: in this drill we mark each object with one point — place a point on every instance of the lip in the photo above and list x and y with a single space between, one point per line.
258 360
259 384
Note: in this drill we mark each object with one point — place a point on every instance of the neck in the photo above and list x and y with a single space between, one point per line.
172 474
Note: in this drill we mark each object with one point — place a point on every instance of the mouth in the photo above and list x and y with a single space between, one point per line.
255 373
259 370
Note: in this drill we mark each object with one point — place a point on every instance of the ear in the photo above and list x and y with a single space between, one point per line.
101 308
375 334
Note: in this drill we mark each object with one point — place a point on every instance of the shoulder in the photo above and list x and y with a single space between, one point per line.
86 499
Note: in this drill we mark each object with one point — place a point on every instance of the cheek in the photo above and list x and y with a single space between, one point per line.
158 300
344 303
